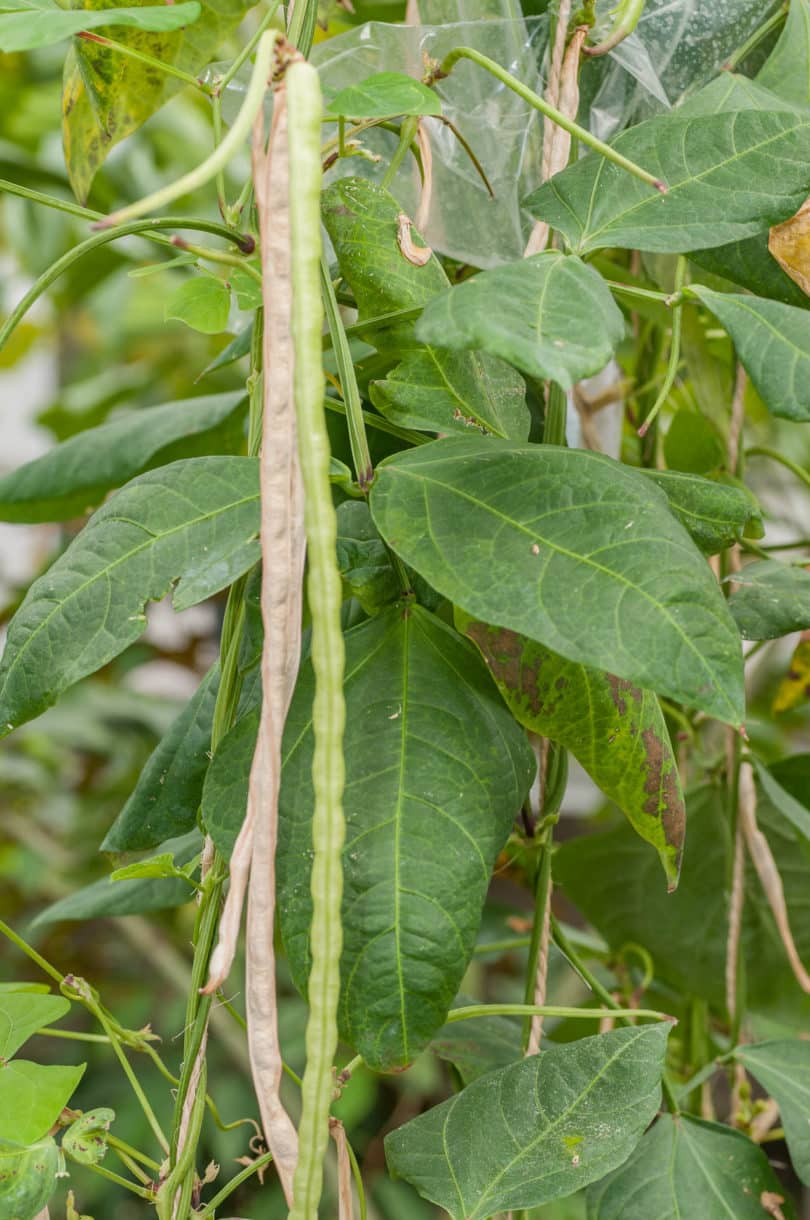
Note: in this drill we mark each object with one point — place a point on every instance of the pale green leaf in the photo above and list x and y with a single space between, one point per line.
41 27
715 514
614 729
76 475
730 175
203 303
686 1168
537 1130
85 1140
787 69
570 549
432 389
770 599
549 315
246 289
27 1177
32 1097
773 343
89 605
782 1067
22 1014
385 95
161 865
436 770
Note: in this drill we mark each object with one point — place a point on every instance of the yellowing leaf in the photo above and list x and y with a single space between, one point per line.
794 689
789 243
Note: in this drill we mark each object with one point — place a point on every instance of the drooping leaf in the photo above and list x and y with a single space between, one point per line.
431 389
715 514
32 1096
685 1167
76 475
783 801
550 316
22 1014
203 303
436 770
385 95
537 1130
751 264
41 25
730 175
614 729
477 1046
89 605
783 1068
85 1140
770 599
27 1177
224 794
167 795
786 71
773 343
106 96
568 548
106 898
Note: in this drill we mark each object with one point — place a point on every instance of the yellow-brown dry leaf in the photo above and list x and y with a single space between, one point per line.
794 689
789 243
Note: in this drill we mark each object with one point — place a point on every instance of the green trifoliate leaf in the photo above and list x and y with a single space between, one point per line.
549 315
783 1068
770 599
574 551
773 343
181 519
385 95
436 770
730 175
684 1167
22 1014
537 1130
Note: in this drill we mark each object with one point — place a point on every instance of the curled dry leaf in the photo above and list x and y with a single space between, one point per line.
345 1201
418 255
789 243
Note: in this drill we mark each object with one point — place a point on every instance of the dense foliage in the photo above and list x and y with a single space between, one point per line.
422 558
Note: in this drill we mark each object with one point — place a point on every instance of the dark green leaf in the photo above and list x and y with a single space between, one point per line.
27 1177
203 303
384 95
787 69
235 350
32 1097
750 264
22 1014
783 801
550 316
477 1046
169 789
89 605
693 444
730 175
715 514
436 770
40 26
773 343
432 389
687 1168
537 1130
569 548
783 1068
106 898
76 474
613 728
224 796
106 96
770 599
363 560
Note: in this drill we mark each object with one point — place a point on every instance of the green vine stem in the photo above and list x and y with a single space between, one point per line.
222 154
626 17
209 1210
358 441
774 21
552 1010
302 22
674 359
324 592
74 255
551 112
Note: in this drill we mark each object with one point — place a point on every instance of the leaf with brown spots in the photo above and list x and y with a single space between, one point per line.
614 729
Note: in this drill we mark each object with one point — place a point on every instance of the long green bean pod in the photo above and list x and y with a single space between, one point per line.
324 591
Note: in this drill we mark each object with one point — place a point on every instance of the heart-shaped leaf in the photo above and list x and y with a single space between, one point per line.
22 1014
32 1097
436 770
385 95
203 303
570 549
536 1130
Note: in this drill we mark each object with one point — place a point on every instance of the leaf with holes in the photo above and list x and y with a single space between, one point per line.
730 175
436 770
770 599
550 316
685 1167
574 551
431 389
89 605
614 729
537 1130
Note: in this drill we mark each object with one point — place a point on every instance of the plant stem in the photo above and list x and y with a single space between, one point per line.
31 952
674 349
503 946
247 50
301 30
626 17
100 239
72 1035
552 1010
788 463
358 440
149 60
219 158
551 112
407 134
143 1191
210 1208
756 38
98 1012
538 959
135 1154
